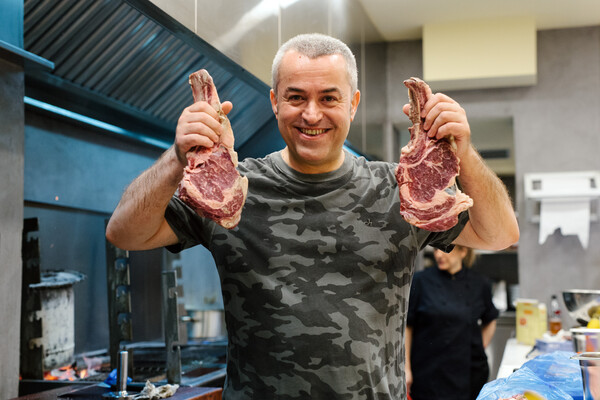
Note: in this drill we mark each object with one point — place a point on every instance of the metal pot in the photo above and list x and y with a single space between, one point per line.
58 316
590 373
205 323
586 339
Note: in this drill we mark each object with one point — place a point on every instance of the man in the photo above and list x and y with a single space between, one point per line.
316 276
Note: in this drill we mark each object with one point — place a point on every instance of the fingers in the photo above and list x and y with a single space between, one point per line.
226 106
443 117
198 125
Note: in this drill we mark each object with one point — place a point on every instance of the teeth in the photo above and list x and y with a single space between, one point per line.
312 132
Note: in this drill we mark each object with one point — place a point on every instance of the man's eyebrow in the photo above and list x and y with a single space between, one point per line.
292 89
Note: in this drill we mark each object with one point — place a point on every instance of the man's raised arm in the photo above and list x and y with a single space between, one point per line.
138 222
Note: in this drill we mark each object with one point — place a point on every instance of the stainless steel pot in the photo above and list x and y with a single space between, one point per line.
586 339
590 373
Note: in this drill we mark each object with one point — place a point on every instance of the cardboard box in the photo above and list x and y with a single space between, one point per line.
530 321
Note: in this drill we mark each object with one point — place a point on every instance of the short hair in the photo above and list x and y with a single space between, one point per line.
314 45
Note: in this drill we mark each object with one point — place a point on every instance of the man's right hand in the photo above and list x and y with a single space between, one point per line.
198 125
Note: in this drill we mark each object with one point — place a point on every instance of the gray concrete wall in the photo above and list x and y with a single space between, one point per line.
556 128
11 222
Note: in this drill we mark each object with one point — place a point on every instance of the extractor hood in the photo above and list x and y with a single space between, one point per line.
126 63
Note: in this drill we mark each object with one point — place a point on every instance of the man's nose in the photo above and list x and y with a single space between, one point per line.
312 112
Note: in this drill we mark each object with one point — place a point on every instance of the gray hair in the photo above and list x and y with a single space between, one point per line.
314 45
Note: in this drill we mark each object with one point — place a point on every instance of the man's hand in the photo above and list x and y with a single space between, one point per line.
198 125
444 117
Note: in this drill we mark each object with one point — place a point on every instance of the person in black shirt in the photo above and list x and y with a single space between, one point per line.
451 319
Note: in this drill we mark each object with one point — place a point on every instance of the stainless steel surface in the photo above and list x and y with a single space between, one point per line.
122 371
586 340
580 302
121 392
206 324
127 63
590 373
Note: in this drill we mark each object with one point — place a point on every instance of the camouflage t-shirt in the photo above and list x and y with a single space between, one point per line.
315 280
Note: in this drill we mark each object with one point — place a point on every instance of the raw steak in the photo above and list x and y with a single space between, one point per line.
429 198
211 184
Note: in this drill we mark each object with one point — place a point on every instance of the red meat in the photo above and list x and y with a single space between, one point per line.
426 172
211 184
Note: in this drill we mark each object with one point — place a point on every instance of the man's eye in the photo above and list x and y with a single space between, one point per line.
329 99
295 97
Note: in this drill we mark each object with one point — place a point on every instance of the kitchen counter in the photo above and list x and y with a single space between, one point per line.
515 355
76 392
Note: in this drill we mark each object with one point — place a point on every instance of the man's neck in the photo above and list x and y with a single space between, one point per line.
307 168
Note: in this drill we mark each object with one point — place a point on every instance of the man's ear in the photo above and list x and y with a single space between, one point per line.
273 97
354 104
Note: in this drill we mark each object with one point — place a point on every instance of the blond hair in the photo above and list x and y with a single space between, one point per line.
470 256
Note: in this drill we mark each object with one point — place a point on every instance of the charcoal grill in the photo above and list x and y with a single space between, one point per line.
189 363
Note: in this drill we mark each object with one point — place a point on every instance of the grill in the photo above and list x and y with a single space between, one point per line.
190 363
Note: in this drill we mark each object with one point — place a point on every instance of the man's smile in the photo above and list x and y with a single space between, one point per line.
312 132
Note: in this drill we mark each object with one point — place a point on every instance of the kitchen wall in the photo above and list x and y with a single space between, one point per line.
556 128
74 178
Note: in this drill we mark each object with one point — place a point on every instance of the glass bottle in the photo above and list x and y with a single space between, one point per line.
554 319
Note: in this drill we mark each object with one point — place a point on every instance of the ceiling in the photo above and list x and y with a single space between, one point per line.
403 19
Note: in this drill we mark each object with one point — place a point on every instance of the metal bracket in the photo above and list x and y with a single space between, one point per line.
171 324
119 301
32 350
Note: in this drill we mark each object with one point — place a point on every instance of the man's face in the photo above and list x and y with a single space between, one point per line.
314 107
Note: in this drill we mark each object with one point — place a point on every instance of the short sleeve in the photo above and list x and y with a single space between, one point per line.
190 228
442 240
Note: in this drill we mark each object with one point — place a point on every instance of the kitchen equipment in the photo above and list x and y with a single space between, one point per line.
580 302
205 323
590 373
57 315
586 339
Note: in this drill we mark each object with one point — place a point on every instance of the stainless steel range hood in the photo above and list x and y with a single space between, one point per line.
126 63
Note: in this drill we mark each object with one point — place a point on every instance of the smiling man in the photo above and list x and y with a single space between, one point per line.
314 102
316 276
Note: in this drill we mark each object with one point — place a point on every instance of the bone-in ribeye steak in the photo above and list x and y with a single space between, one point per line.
211 184
429 198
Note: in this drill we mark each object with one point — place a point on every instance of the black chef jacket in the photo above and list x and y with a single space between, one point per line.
446 313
